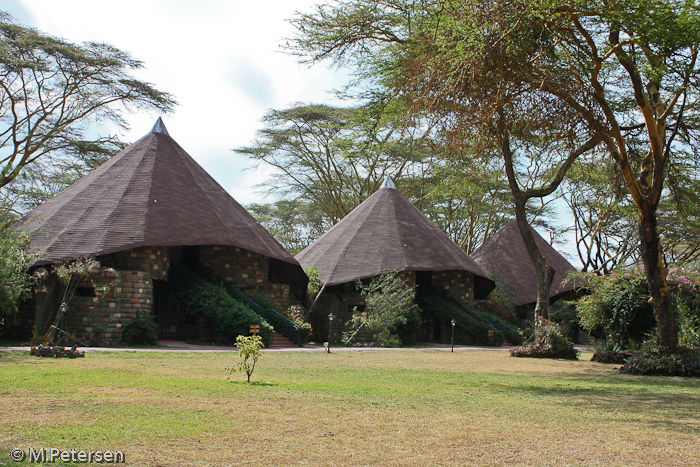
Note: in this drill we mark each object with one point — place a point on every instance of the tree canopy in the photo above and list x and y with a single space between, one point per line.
573 76
327 160
52 91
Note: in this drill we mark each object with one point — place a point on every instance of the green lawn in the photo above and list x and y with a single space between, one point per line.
399 408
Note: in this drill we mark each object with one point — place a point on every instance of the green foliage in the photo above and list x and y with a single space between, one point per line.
202 298
248 354
564 313
547 342
656 360
53 90
14 280
390 314
295 313
618 305
140 330
294 223
315 283
688 324
330 159
502 298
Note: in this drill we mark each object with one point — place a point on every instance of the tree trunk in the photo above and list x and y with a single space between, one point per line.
545 274
656 272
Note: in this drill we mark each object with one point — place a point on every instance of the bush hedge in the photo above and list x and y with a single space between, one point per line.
547 342
655 360
619 308
140 330
211 301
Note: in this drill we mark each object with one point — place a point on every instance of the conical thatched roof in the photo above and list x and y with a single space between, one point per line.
505 255
150 194
384 233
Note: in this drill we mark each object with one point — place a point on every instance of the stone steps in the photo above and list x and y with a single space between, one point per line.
280 341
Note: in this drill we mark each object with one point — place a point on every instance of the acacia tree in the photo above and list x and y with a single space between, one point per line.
604 217
622 74
331 157
637 60
295 224
328 160
52 90
469 200
446 58
680 211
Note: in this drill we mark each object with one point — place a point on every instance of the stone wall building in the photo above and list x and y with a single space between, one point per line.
148 207
386 233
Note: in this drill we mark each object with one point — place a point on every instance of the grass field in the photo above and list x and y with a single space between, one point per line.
395 408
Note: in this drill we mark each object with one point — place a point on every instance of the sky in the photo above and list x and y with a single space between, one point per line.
221 59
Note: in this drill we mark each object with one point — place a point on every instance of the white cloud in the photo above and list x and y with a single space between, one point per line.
220 58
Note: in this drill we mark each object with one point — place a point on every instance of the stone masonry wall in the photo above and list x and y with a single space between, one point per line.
133 293
104 319
154 260
459 284
239 267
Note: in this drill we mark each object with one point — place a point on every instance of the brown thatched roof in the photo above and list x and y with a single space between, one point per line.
150 194
384 233
505 255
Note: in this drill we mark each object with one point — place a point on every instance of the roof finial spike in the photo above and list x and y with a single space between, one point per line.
388 183
159 127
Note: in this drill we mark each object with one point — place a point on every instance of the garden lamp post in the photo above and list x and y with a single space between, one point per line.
62 309
453 334
330 326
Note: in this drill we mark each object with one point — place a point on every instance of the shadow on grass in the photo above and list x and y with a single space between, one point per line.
672 403
259 384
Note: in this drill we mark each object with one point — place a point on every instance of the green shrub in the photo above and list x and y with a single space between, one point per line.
211 301
656 360
547 342
564 313
390 314
502 299
248 354
295 313
140 330
619 305
14 280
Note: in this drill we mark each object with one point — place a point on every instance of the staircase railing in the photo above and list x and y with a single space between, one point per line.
467 315
497 325
281 323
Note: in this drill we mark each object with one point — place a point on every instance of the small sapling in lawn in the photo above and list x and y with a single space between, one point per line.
248 354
